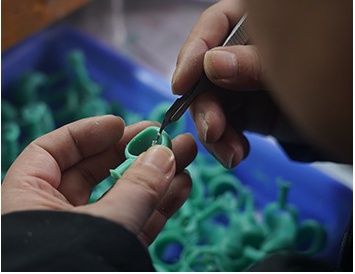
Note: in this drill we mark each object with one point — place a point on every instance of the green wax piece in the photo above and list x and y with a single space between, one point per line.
38 120
93 107
10 147
140 143
27 89
81 79
8 111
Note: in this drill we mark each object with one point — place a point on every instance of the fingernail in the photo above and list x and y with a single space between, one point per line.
160 157
201 120
204 129
226 158
173 79
220 64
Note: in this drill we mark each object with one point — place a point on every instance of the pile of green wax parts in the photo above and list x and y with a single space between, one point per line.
217 229
38 103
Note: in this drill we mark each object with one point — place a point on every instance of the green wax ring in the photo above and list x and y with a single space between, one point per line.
283 236
252 232
224 183
202 258
131 117
197 193
313 235
140 143
272 210
209 167
160 245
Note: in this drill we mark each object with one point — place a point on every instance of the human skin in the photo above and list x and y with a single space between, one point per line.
300 52
306 49
58 171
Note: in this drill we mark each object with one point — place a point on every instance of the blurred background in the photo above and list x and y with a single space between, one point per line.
149 32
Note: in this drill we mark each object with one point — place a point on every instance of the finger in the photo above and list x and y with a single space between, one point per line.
230 149
234 67
227 145
93 170
209 118
132 200
211 29
46 157
70 144
185 150
174 198
130 132
78 181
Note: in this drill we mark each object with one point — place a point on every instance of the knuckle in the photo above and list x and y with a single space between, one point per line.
149 184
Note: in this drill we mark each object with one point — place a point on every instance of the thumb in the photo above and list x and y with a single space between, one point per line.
132 200
234 67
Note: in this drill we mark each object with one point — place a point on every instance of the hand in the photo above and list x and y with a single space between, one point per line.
58 171
220 116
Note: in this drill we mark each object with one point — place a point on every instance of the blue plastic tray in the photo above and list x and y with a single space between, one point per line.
315 194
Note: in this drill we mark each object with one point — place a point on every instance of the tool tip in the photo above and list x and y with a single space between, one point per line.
155 141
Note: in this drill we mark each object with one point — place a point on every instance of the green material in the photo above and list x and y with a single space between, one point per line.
38 120
132 117
10 133
140 143
8 111
158 113
82 82
311 237
101 188
70 104
253 232
202 258
166 241
209 167
93 107
281 222
244 236
39 103
225 183
273 210
198 189
27 89
118 110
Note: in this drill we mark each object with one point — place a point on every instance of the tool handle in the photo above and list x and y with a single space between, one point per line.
181 104
238 36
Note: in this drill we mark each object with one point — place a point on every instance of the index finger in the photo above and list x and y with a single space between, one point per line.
210 31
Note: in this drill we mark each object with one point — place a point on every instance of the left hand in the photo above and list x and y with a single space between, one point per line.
58 171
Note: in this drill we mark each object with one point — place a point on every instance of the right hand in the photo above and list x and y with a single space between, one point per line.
221 116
